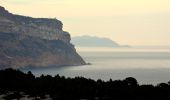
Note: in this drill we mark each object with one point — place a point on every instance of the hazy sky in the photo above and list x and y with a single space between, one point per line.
132 22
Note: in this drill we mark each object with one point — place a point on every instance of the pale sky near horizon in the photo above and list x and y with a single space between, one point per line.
131 22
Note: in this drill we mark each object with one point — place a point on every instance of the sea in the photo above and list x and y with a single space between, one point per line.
149 65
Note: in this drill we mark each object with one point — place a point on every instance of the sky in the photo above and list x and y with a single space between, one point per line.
128 22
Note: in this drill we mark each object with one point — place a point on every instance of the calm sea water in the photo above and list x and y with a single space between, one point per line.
148 66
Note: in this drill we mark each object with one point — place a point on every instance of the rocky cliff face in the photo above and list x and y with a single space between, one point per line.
50 29
34 42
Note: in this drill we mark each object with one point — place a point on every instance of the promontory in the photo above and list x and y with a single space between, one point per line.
34 42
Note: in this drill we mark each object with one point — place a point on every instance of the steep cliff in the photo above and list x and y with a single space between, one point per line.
34 42
50 29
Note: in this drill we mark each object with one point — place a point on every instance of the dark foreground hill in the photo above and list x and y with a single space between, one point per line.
15 84
34 42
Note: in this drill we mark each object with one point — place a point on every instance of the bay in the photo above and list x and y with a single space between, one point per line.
148 66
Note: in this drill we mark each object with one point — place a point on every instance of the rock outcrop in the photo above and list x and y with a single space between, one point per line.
34 42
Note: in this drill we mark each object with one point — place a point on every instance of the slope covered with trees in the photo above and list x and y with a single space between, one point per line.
15 84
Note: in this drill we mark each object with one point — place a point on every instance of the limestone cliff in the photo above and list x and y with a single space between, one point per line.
50 29
34 42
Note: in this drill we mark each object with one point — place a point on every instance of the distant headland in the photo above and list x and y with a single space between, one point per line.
94 41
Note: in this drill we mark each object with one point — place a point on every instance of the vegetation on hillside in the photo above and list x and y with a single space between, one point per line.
14 84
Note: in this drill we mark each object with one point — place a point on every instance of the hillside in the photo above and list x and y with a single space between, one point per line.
16 85
34 42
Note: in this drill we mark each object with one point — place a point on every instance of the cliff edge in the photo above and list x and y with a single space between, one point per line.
34 42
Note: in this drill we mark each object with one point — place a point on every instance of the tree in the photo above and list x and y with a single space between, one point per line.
132 82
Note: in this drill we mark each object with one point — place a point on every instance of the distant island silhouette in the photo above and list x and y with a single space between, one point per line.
93 41
17 85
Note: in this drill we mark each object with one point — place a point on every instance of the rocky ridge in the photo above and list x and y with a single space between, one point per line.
50 29
34 42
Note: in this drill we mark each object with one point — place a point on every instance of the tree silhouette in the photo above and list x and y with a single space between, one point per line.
14 82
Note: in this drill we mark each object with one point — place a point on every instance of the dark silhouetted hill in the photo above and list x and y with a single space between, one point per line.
15 84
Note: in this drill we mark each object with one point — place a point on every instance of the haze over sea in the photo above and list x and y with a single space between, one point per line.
149 65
